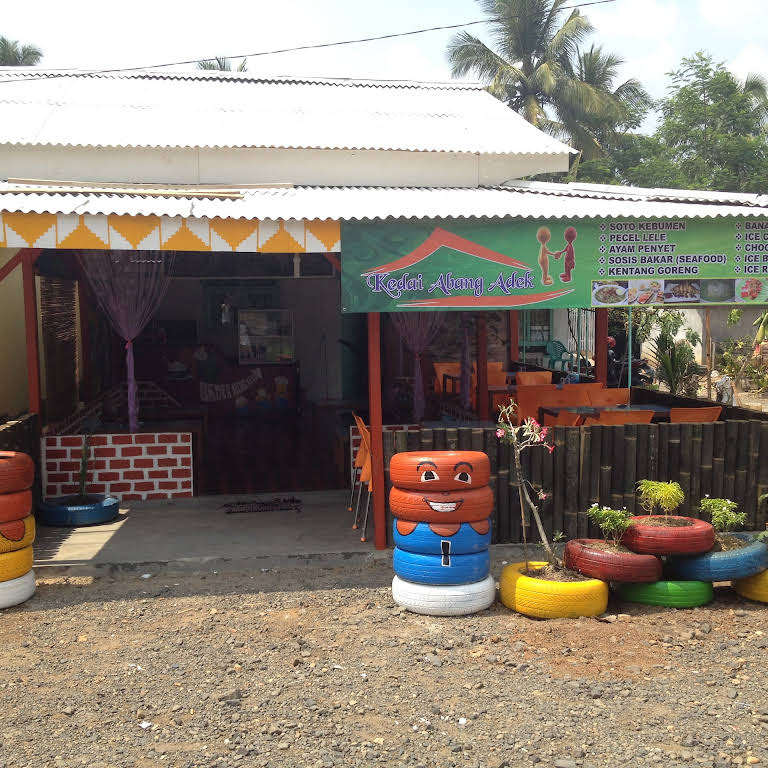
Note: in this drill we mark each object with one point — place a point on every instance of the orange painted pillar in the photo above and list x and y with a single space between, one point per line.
513 331
377 440
482 367
601 345
30 325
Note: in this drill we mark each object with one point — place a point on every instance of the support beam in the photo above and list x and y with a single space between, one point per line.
377 440
601 345
28 257
10 265
513 334
482 367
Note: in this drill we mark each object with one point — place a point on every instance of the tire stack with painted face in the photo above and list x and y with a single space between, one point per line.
442 507
17 528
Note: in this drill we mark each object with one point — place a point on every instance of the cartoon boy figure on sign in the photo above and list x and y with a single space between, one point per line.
544 236
570 254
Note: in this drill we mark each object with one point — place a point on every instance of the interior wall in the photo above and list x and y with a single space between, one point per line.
14 395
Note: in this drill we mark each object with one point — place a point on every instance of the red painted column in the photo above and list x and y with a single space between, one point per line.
30 324
601 345
377 440
513 331
482 367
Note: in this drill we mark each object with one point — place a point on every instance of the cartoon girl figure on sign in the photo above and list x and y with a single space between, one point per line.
544 236
570 254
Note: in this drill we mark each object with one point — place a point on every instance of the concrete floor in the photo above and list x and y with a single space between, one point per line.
198 531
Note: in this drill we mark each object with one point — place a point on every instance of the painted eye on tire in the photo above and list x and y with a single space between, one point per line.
464 477
428 475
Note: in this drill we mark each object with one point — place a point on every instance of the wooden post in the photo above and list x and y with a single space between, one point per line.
708 352
30 324
482 368
377 441
513 332
601 345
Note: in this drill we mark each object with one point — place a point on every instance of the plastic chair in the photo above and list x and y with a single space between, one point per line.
359 462
528 400
608 397
559 356
363 458
695 415
530 378
621 417
587 386
563 419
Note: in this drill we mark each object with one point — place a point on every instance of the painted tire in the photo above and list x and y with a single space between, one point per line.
754 588
457 506
610 565
430 569
17 534
428 538
17 590
674 594
17 471
56 512
15 564
721 566
15 506
693 539
432 600
406 470
551 599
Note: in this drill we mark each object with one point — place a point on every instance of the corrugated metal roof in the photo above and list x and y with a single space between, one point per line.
204 109
347 203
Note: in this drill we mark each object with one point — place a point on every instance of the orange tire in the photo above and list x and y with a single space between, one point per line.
442 506
439 470
17 534
17 471
15 506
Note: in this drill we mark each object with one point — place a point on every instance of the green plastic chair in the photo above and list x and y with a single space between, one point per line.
559 356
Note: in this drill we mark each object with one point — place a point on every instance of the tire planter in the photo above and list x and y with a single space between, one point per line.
721 566
439 470
15 564
17 534
544 599
442 506
692 539
17 590
436 569
58 512
674 594
754 588
439 538
432 600
17 471
15 506
610 565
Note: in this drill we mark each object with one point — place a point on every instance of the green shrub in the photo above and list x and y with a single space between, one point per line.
667 497
723 514
612 522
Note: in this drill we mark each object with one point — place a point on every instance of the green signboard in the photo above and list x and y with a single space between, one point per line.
459 264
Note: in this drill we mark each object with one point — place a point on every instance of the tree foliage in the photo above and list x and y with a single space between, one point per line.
221 64
15 54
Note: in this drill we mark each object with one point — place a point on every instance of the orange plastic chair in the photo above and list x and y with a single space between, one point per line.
530 378
608 397
590 386
528 400
695 415
563 419
623 417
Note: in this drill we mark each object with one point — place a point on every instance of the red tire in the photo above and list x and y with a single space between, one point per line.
15 506
610 565
693 539
443 506
439 470
17 471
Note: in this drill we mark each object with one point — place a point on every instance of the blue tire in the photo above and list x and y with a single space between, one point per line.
434 569
62 512
721 566
424 540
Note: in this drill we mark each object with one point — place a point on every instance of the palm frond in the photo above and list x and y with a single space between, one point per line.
219 63
565 42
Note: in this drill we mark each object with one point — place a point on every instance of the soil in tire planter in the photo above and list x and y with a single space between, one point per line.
600 560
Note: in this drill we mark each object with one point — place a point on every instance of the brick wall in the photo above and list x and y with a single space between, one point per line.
146 465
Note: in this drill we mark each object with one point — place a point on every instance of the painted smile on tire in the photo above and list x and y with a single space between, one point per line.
443 506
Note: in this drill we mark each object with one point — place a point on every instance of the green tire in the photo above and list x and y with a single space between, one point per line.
675 594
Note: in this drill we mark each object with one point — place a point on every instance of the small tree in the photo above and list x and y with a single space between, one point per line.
723 514
667 497
612 522
85 457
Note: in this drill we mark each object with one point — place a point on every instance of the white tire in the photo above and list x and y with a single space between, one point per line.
444 600
18 590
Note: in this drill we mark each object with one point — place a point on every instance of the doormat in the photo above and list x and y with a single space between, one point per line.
288 504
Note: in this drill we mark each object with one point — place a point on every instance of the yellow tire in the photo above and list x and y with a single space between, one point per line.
544 599
753 587
15 564
17 534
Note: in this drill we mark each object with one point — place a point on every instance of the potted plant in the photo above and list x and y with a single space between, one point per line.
543 589
733 556
662 533
83 508
609 559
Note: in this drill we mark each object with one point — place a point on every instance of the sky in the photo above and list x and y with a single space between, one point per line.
651 35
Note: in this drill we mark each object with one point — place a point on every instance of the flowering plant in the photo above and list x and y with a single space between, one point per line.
723 514
612 522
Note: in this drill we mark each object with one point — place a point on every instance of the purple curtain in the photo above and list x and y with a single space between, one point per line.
129 286
466 362
417 330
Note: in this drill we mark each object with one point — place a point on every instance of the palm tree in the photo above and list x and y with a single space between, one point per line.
221 64
14 54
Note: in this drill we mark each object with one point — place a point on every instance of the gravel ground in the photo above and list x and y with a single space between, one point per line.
316 667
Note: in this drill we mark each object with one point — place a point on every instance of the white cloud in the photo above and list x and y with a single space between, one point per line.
651 20
752 59
748 15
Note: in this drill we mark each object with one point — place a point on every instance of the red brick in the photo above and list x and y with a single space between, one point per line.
51 442
162 474
143 463
120 464
157 450
59 477
157 495
105 453
183 495
76 453
99 440
185 461
69 466
96 488
186 438
98 464
65 489
108 477
131 497
167 462
134 474
119 487
181 473
184 450
71 442
122 439
56 453
131 450
167 485
167 438
145 486
143 439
